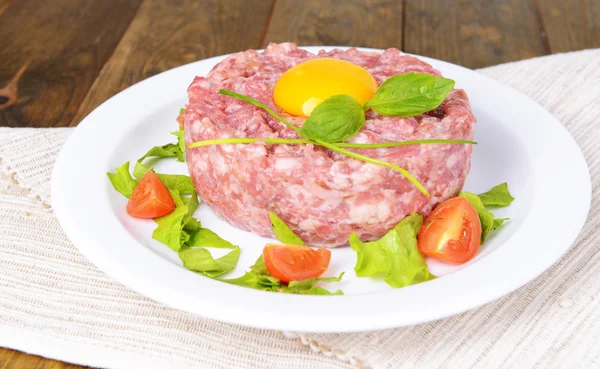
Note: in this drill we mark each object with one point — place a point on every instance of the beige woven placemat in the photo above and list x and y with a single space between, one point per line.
55 303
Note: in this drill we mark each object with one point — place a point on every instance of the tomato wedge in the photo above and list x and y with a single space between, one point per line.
452 232
150 198
295 263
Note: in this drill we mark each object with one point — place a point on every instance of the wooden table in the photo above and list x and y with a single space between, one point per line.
60 59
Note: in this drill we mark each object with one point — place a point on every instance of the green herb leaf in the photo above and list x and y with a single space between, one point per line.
122 180
207 238
182 110
282 232
259 278
259 267
256 281
498 222
168 150
174 182
410 94
395 256
497 196
486 218
307 286
180 140
336 119
200 260
170 228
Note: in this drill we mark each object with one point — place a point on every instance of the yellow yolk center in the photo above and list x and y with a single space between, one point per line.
304 86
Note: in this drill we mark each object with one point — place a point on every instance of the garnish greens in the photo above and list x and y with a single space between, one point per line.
184 234
282 232
169 150
122 180
498 196
334 120
259 279
340 117
410 94
395 257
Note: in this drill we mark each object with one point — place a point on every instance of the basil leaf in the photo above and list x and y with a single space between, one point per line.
410 94
122 180
175 182
307 286
282 232
497 196
336 119
486 218
498 222
200 260
395 256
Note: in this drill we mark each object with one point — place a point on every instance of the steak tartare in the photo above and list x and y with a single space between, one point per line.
322 195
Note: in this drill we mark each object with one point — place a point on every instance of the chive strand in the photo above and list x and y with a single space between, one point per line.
260 105
225 141
367 159
402 143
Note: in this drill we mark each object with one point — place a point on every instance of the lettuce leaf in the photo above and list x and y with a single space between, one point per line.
394 257
180 139
169 150
498 222
198 259
122 180
259 278
282 232
175 182
170 227
497 196
307 286
486 218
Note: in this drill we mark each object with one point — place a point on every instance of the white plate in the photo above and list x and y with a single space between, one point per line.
519 142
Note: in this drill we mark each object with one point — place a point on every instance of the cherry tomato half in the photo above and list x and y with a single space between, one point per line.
150 198
295 263
452 232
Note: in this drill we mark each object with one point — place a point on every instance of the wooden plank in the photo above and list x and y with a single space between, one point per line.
368 23
165 35
11 359
66 44
4 5
473 33
571 25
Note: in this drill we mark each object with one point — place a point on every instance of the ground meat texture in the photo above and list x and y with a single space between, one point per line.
322 196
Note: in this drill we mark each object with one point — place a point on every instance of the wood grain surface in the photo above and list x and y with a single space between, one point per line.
165 34
79 53
571 25
373 23
474 33
65 46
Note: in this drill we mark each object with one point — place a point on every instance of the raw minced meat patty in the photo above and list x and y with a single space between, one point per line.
323 196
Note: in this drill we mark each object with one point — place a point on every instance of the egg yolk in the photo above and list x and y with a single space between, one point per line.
304 86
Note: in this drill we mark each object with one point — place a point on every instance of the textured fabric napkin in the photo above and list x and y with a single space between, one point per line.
55 303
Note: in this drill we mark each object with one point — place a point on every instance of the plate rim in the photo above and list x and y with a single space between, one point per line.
212 307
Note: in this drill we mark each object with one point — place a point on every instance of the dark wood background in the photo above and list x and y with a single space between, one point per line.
60 59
